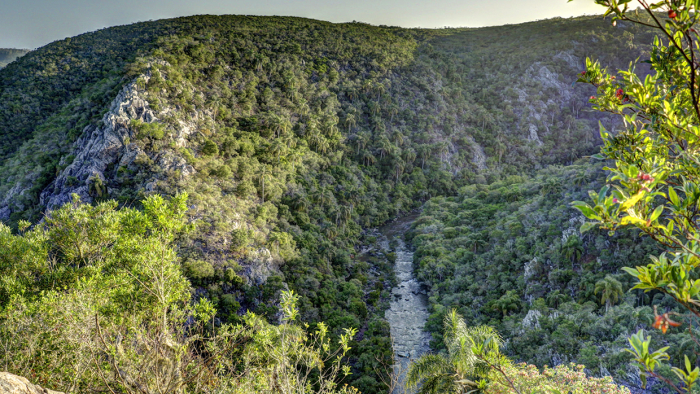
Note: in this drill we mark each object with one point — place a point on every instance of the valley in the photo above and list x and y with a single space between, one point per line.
385 176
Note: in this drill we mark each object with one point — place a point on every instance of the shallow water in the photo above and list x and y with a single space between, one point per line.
408 310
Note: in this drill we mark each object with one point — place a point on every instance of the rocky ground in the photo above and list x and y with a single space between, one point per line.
408 310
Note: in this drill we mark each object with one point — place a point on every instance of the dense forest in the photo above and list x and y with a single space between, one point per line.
290 139
510 255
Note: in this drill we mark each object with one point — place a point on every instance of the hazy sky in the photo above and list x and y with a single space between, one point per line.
34 23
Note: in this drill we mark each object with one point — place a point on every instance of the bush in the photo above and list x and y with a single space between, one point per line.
245 189
198 271
223 172
240 238
210 148
561 379
229 302
151 130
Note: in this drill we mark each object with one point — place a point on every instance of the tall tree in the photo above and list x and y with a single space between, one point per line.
459 370
573 248
610 290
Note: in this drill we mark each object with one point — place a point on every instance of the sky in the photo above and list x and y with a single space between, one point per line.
35 23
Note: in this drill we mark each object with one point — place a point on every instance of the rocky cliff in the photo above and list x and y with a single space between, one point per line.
101 147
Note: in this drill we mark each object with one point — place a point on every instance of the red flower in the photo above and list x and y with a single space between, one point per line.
620 93
615 201
592 97
662 323
672 14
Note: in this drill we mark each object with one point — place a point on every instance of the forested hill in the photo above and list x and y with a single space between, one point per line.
291 136
8 55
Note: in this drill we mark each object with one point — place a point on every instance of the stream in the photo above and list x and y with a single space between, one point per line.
408 310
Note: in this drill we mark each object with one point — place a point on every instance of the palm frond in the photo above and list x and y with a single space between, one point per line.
426 367
482 334
439 384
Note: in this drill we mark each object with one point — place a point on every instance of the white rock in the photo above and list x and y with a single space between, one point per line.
13 384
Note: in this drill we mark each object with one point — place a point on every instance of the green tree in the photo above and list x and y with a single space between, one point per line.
86 262
507 303
287 359
264 173
210 148
96 302
464 365
573 248
656 175
610 290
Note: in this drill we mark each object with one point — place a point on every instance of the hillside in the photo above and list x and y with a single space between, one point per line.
8 55
293 136
510 255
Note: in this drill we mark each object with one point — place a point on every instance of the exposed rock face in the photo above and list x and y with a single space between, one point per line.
13 384
5 213
100 147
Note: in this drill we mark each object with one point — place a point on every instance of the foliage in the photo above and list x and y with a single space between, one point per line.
100 292
288 359
471 354
656 170
610 290
510 255
292 135
94 300
559 380
474 352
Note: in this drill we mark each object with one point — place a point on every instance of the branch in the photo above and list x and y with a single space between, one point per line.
115 365
685 55
498 368
667 381
102 376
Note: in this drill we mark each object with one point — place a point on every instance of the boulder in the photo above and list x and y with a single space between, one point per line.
13 384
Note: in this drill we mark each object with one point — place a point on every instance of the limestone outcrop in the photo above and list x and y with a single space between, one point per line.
13 384
100 147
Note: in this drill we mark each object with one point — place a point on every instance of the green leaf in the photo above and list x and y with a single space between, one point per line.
632 201
587 211
587 226
631 271
657 212
673 197
603 192
632 220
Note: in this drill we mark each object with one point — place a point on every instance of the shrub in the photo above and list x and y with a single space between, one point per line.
198 270
245 189
210 148
561 379
240 238
151 130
